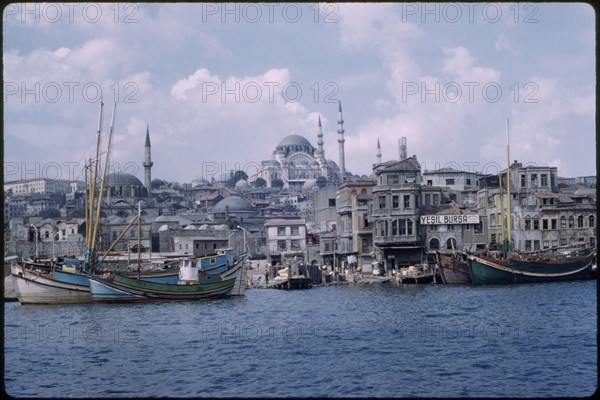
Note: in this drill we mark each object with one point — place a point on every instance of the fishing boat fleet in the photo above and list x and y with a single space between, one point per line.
83 280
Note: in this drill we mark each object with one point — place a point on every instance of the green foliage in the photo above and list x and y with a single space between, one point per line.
277 183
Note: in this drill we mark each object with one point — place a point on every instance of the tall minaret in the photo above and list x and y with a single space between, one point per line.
320 139
147 162
378 152
341 142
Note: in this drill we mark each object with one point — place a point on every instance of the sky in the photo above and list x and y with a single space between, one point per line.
219 85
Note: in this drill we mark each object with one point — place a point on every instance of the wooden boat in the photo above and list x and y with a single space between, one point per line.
124 289
54 287
453 268
562 267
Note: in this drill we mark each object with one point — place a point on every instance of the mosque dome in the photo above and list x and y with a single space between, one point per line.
294 143
233 204
122 179
294 140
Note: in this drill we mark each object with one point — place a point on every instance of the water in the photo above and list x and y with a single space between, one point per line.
536 340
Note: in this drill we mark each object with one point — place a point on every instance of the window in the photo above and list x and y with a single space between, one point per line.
331 202
381 202
527 224
493 238
544 180
409 227
528 245
383 228
406 201
492 219
295 245
402 223
563 241
534 181
571 222
434 244
536 245
478 228
563 222
281 231
365 245
450 181
434 199
553 223
427 199
392 179
395 202
592 221
536 224
281 245
580 221
468 181
295 230
394 227
544 224
546 244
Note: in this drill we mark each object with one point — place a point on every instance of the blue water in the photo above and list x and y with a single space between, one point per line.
536 340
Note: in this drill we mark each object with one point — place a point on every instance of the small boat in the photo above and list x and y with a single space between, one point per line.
453 268
552 268
124 289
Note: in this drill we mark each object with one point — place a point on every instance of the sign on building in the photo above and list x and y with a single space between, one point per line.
449 219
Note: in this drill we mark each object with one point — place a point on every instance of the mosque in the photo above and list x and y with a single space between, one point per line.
298 164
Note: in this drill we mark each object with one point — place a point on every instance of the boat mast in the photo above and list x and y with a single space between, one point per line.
93 180
501 210
101 192
139 237
509 211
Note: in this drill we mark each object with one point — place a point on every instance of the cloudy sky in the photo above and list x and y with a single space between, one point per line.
220 85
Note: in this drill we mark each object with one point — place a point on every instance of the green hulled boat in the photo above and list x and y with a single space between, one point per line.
491 270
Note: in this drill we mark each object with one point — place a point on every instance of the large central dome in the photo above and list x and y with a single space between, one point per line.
294 143
294 139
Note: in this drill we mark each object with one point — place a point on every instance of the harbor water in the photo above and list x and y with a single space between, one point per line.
378 340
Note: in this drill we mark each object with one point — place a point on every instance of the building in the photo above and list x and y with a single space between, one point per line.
41 185
395 213
298 164
286 240
354 227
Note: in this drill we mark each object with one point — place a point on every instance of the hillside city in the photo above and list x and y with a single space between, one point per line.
301 205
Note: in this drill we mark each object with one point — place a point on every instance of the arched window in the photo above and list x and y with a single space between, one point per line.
563 222
451 244
580 221
571 222
434 244
592 221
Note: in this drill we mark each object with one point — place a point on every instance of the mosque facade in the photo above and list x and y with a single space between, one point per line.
297 163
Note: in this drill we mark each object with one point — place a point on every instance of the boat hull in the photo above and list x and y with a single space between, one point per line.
453 271
126 289
485 270
36 288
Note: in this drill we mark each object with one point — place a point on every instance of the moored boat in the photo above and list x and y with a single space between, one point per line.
492 270
54 287
120 288
453 268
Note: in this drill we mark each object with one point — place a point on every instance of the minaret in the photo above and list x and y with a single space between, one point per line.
147 162
320 139
378 152
341 142
402 147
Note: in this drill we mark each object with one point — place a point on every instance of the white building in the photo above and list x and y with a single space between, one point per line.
286 239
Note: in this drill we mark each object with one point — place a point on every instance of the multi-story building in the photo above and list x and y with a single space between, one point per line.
41 185
395 213
286 239
354 227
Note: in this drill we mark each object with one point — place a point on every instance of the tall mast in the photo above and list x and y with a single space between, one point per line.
93 180
101 193
509 212
139 237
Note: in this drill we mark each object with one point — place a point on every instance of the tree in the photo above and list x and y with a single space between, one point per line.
260 182
321 182
235 177
277 183
156 183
